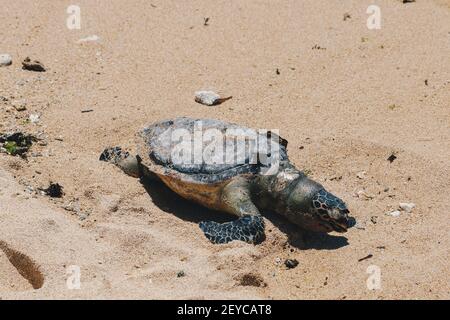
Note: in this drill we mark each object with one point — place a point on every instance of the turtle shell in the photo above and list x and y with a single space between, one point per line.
208 150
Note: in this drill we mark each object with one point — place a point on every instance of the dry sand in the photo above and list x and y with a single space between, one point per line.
344 110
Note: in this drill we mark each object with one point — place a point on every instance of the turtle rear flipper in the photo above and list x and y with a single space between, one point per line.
249 228
128 163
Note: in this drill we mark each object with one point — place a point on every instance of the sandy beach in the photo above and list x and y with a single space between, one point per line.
346 98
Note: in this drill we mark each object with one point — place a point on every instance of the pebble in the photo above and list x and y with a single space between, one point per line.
34 118
363 195
34 65
361 175
20 106
209 98
180 274
395 213
291 263
109 203
360 226
92 38
5 60
29 189
73 206
405 206
82 216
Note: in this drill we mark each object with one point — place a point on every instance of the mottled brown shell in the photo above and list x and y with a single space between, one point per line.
198 180
159 143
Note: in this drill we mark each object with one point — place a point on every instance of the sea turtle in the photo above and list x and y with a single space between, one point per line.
226 167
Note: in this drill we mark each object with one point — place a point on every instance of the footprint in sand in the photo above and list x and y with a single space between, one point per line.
18 272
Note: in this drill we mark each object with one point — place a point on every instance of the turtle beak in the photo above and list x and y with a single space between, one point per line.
341 222
340 225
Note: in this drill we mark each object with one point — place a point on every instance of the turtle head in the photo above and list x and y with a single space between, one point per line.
330 212
313 208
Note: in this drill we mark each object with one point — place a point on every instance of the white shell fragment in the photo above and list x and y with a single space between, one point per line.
209 98
361 175
395 213
34 118
363 195
89 39
5 60
405 206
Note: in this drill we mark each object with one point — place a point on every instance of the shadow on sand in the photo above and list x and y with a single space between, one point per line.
170 202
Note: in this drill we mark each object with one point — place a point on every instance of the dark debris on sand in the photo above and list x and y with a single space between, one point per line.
54 190
16 143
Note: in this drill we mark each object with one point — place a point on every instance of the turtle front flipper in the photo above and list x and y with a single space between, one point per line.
247 228
236 200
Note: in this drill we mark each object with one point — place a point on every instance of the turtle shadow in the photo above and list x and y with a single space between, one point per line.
170 202
304 239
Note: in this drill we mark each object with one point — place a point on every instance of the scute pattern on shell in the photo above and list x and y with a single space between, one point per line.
157 145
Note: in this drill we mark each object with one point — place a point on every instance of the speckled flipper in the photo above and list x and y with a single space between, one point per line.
128 163
247 228
236 199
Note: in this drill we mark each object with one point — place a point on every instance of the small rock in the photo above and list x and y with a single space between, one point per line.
395 213
391 158
34 118
209 98
363 195
291 263
360 226
347 16
405 206
82 216
181 274
5 60
34 65
73 206
361 175
109 203
317 47
20 106
29 189
89 39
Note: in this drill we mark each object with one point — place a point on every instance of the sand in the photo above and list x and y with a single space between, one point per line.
344 108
